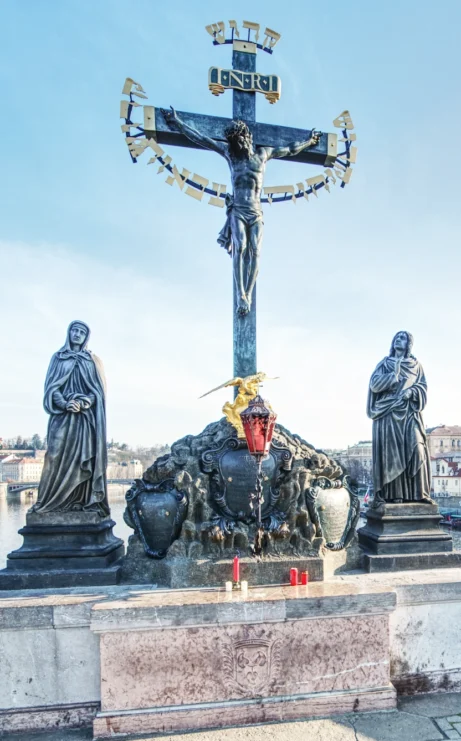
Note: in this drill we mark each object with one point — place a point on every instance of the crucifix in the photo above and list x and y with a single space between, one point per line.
247 146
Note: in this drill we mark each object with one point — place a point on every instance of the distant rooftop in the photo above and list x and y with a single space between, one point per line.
444 430
25 461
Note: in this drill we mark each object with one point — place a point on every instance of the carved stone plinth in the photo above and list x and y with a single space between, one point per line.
405 536
64 549
187 660
178 572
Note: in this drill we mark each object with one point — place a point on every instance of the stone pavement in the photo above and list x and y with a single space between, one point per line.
422 718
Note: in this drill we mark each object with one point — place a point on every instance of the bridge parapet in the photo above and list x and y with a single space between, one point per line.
19 486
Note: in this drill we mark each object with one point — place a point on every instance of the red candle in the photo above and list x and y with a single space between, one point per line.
236 569
305 577
293 577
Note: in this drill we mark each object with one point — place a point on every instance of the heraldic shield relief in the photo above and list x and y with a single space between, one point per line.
252 663
233 470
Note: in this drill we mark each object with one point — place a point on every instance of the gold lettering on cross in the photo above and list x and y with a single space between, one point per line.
217 30
252 27
198 188
343 121
175 177
273 36
220 80
216 200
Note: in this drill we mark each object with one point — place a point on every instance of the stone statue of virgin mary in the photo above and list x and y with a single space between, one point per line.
74 473
396 397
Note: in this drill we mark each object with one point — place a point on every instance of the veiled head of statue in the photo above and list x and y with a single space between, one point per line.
240 138
78 335
402 341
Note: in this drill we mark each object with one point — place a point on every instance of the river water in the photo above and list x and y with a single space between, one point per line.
13 508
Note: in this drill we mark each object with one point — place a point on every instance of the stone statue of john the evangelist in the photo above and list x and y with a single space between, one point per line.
396 397
74 473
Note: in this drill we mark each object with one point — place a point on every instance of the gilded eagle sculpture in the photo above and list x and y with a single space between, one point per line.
248 389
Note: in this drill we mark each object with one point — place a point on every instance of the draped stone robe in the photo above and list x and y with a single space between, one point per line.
74 472
401 460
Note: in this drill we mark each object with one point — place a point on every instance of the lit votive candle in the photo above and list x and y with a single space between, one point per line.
305 577
244 586
236 570
228 586
293 577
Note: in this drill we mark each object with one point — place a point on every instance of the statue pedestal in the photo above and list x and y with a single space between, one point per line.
406 536
64 549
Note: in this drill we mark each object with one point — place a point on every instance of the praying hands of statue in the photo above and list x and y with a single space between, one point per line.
79 404
85 402
73 406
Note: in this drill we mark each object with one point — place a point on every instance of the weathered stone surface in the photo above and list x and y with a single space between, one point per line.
35 616
222 663
178 571
397 529
407 561
222 658
160 609
58 723
306 508
73 616
393 726
405 722
56 578
343 561
64 549
426 647
48 667
423 636
85 541
53 519
249 712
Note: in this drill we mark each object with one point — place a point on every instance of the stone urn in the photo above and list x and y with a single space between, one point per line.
335 510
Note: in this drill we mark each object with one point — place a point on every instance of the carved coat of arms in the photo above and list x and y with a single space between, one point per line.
252 663
232 471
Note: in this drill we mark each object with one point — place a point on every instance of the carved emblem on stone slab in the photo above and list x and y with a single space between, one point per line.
252 663
232 472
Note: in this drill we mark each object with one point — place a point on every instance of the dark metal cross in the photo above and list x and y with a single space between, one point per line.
264 135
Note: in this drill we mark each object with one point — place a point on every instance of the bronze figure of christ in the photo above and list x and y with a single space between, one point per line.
243 231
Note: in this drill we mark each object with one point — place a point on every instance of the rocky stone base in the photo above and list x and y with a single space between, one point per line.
64 549
194 509
181 572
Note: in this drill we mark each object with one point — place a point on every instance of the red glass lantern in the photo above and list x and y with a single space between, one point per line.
258 422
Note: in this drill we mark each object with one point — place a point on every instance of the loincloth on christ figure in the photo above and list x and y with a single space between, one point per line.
247 213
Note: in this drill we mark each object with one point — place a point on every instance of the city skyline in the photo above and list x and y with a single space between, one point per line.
85 235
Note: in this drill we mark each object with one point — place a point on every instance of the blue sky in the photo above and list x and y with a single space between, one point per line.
85 234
